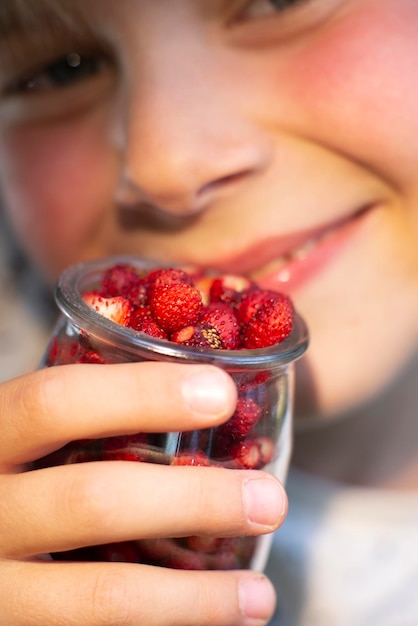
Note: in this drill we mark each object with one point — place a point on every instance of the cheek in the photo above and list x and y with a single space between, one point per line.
57 184
357 82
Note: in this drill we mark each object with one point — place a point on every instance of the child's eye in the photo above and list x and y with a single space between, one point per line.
267 22
264 8
62 72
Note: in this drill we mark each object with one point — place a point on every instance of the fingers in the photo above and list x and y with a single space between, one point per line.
62 508
44 410
112 594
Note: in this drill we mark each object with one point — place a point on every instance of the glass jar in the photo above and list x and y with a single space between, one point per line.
264 379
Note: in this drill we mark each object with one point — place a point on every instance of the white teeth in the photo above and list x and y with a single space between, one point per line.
301 253
298 254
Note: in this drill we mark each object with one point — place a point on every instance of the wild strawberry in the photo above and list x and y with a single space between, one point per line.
230 288
259 388
198 336
142 321
251 302
65 351
167 276
222 317
191 457
246 454
175 306
137 294
119 279
271 324
266 447
249 382
90 356
242 422
117 309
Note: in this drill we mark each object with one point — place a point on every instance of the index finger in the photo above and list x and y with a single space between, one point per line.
43 411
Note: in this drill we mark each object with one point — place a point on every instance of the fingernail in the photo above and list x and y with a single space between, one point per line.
207 392
257 599
265 501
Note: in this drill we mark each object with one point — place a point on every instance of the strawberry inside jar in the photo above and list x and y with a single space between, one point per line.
120 310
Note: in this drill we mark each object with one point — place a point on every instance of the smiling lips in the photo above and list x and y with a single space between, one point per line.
285 264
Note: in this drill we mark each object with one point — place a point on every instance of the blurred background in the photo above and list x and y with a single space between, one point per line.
26 310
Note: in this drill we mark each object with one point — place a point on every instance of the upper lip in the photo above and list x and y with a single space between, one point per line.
251 258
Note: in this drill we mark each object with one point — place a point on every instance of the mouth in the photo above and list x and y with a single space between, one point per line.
287 263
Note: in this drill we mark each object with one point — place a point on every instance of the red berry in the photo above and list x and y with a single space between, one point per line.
271 324
167 276
266 446
168 304
137 294
90 356
119 279
230 288
175 306
251 302
242 422
191 457
117 309
246 454
142 321
198 336
222 317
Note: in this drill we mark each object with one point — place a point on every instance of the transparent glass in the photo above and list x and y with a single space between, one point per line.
264 379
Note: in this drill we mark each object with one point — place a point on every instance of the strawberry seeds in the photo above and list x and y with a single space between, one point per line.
227 312
206 313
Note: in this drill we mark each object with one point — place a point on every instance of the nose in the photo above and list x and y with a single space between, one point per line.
183 143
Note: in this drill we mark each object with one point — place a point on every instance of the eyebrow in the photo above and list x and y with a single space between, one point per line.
27 16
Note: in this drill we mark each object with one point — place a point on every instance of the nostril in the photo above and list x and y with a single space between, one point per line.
225 181
135 209
151 218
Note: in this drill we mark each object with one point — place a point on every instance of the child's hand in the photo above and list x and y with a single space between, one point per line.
61 508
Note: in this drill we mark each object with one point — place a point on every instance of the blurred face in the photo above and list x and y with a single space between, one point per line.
273 137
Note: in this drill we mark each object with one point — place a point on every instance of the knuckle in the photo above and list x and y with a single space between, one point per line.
42 393
110 598
84 497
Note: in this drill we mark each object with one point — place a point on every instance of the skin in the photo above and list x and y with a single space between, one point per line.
148 154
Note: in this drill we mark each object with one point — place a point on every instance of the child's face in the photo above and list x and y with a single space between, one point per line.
278 138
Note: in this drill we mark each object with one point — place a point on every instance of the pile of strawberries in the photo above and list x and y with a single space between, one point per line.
226 312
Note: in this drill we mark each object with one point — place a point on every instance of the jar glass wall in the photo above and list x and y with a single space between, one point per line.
264 379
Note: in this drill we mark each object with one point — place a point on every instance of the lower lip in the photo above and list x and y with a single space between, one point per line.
297 272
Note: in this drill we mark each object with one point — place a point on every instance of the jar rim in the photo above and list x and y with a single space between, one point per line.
81 277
